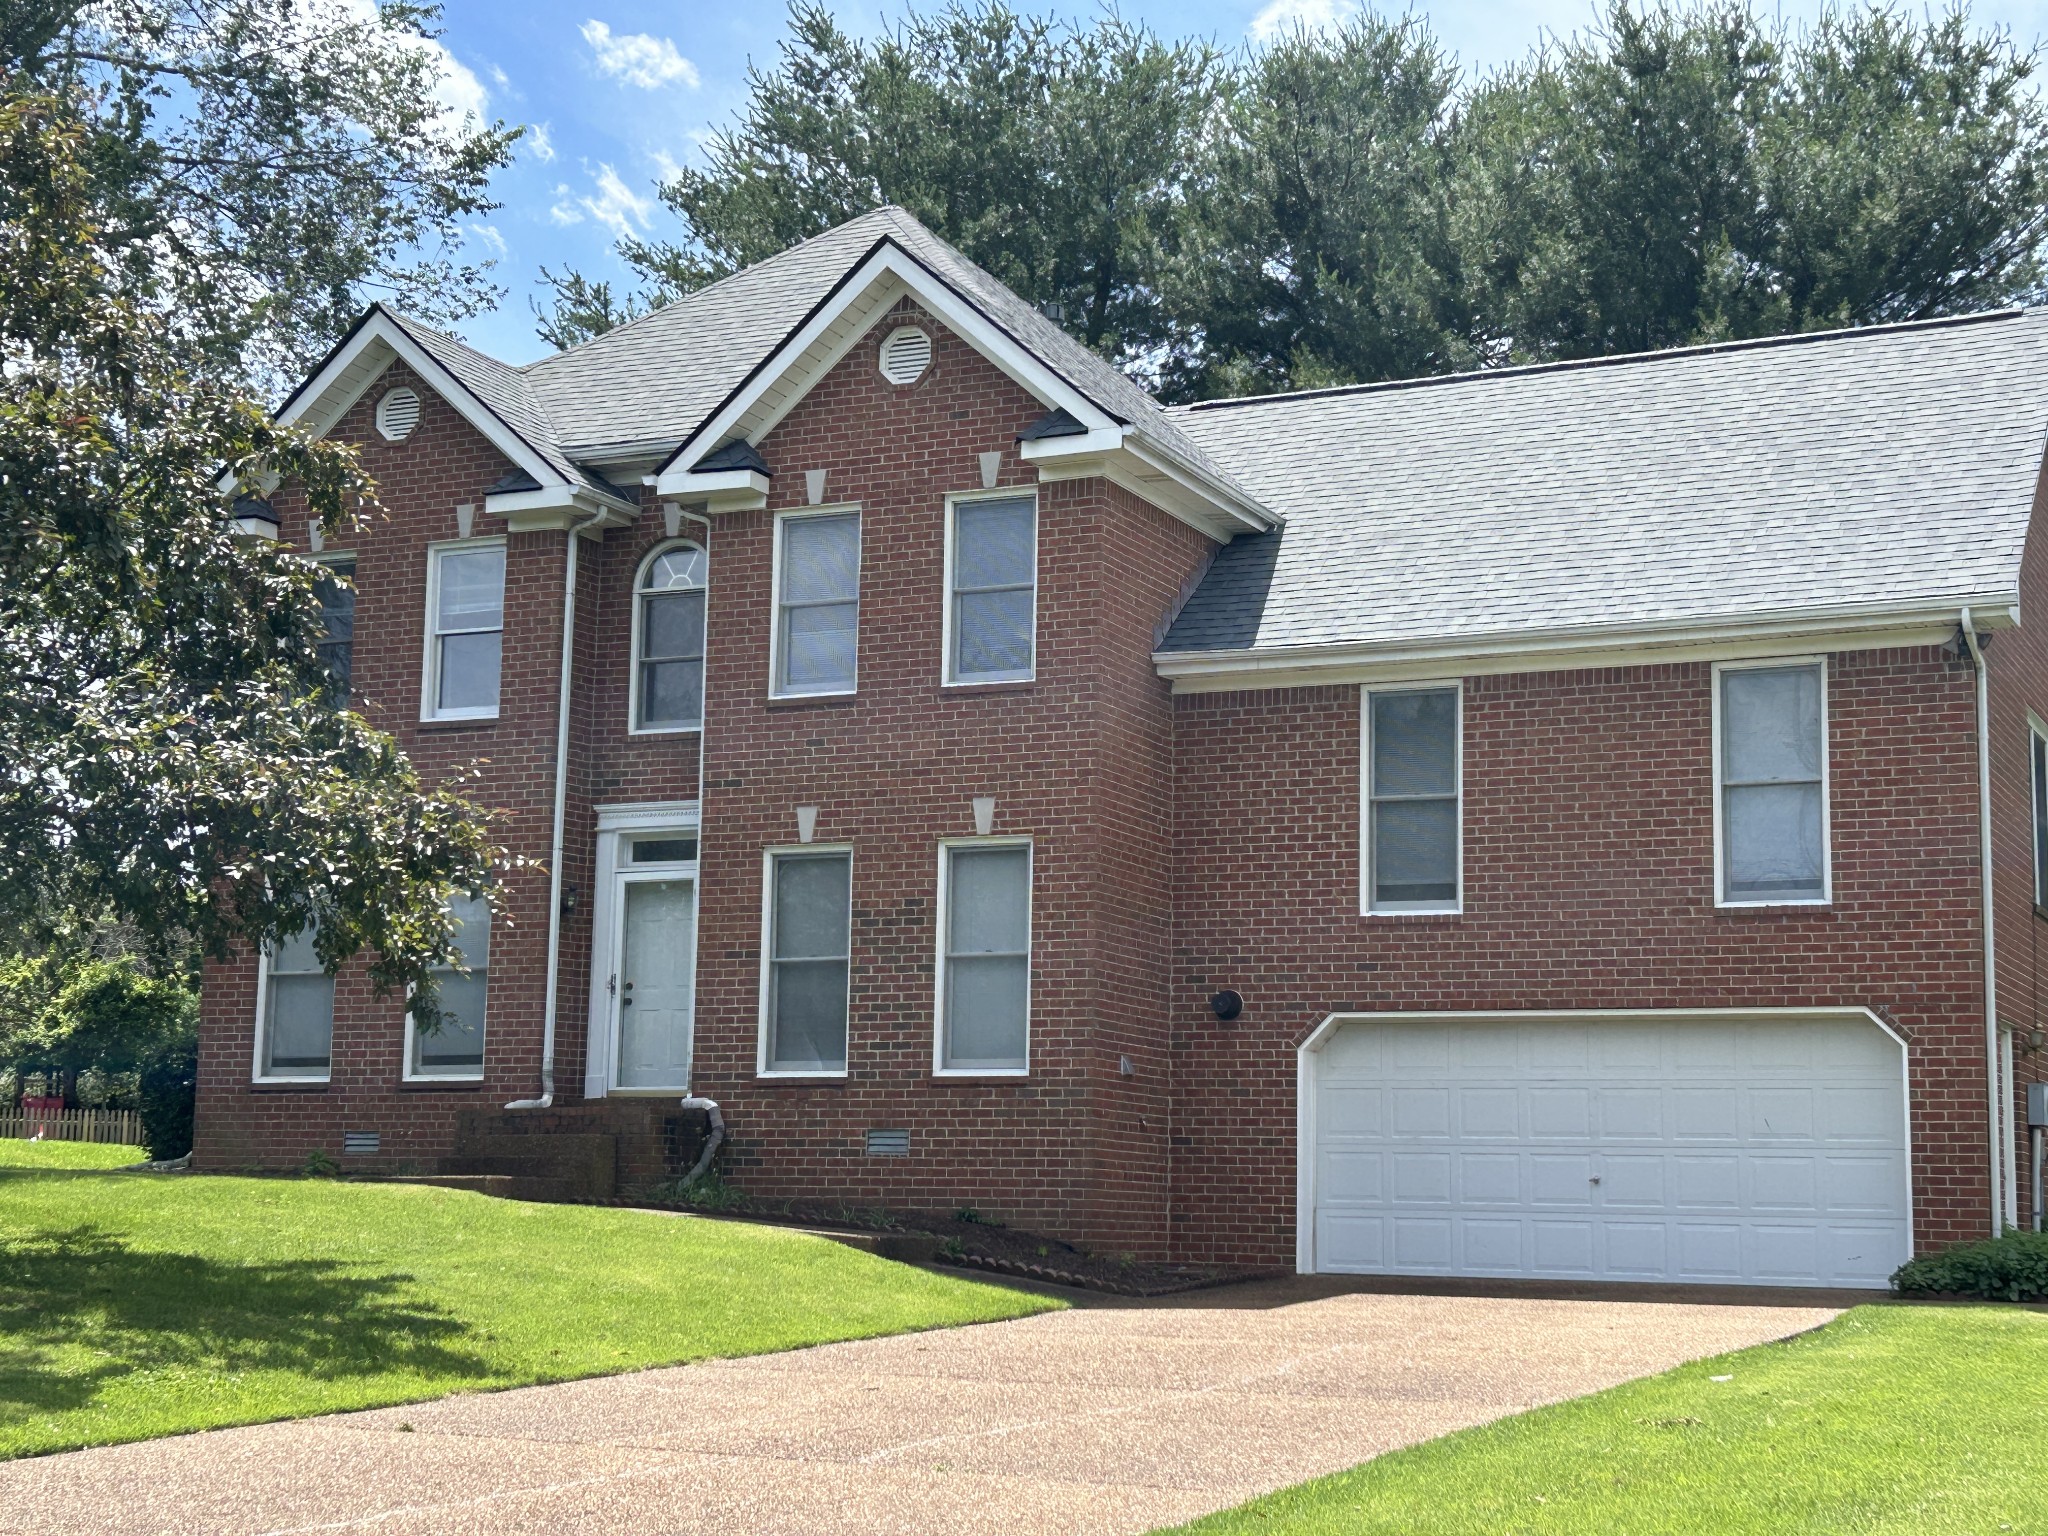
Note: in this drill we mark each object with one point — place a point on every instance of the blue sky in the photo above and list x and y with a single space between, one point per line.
619 93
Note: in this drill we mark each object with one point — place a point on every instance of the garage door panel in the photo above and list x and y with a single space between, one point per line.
1641 1149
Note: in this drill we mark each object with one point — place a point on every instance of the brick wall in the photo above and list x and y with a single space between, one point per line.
1589 884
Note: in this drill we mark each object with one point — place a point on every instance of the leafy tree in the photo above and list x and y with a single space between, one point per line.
1321 245
169 754
1684 176
1055 156
262 167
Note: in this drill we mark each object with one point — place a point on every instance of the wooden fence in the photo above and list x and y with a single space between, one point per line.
123 1127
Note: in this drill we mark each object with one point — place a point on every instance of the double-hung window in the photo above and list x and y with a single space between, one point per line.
456 1049
1771 775
817 603
465 629
1412 831
984 993
337 594
668 635
295 1019
991 588
2037 755
804 961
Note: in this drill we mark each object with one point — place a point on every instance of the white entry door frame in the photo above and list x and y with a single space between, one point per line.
619 829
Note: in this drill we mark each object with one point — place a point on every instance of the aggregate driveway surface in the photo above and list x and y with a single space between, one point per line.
1103 1419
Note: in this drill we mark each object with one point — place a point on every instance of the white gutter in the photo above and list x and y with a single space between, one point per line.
547 1031
1995 1049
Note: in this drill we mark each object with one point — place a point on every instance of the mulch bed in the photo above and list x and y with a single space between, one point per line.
982 1245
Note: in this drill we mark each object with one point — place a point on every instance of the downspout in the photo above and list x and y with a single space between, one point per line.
547 1029
1994 1047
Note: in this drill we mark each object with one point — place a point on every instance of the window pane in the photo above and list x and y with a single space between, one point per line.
457 1047
299 1034
295 953
812 897
992 543
1414 743
472 930
677 568
469 671
993 637
671 692
988 891
807 1029
664 850
672 625
1415 850
985 1012
472 586
821 559
1771 725
337 603
1774 841
818 648
2040 822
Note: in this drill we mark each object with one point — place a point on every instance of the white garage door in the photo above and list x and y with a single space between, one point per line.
1723 1151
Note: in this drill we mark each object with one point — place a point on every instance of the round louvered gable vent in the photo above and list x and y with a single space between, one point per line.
398 413
906 355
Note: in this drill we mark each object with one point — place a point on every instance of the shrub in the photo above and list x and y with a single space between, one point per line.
2010 1268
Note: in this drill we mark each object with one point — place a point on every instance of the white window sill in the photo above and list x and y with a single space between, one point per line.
459 716
805 698
443 1078
1457 911
666 730
816 1077
1790 901
981 1072
292 1082
993 680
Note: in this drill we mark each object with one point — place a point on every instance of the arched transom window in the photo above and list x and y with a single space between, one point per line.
668 628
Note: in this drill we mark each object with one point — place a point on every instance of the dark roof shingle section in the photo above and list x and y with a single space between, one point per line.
1889 465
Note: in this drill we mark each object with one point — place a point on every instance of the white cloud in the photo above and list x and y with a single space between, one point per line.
666 166
639 58
1282 17
617 206
488 233
499 78
565 210
540 143
457 92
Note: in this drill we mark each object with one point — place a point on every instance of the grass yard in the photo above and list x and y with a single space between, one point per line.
138 1305
1892 1421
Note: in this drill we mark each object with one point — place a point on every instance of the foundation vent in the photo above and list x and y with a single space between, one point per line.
888 1143
360 1143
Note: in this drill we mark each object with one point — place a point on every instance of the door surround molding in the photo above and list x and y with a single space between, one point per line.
614 824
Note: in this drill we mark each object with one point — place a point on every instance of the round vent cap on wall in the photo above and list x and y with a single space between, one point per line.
398 413
905 355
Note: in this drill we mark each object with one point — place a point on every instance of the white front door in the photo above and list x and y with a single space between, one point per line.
657 943
1752 1150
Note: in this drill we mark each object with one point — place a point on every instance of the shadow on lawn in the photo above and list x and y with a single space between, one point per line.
138 1310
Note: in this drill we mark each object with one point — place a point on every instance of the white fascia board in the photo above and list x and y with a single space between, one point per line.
559 506
1117 454
356 365
1855 628
885 264
720 490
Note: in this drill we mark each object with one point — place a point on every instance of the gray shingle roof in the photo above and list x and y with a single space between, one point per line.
1881 466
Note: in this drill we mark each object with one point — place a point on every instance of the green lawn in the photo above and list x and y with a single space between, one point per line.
67 1154
135 1305
1905 1421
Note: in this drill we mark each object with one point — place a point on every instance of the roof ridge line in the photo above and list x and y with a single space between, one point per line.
1610 360
710 287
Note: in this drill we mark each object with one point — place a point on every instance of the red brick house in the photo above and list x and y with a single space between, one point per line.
1531 823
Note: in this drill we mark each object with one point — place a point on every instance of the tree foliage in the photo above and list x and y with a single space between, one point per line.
264 167
169 751
1347 204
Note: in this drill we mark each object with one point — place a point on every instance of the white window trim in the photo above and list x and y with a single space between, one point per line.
2036 731
617 827
768 858
948 678
1456 906
633 725
405 1071
431 648
946 847
782 519
256 1072
1827 839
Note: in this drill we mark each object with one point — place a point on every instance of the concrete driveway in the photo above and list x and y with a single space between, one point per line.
1113 1418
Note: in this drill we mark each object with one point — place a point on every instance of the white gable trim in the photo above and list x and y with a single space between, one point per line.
354 366
1752 637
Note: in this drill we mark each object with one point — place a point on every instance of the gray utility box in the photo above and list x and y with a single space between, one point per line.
2037 1105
